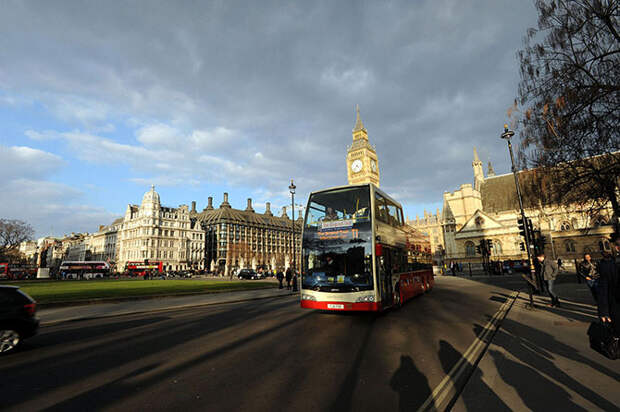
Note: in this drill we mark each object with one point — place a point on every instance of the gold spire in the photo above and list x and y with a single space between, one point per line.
358 121
476 158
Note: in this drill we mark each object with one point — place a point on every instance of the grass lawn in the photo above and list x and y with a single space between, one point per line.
65 291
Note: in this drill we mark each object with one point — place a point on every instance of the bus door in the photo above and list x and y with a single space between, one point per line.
384 276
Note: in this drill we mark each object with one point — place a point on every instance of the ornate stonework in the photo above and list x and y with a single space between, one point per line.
362 161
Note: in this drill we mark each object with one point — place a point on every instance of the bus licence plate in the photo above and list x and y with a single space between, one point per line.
334 306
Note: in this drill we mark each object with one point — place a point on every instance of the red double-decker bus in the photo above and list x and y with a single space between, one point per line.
354 252
17 271
143 267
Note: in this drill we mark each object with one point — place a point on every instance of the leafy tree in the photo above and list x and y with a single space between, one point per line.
12 233
569 95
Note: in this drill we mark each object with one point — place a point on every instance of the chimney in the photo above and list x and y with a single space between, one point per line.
193 205
249 206
284 214
268 209
225 203
209 203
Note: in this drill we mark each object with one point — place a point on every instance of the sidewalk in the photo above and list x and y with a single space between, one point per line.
63 314
542 360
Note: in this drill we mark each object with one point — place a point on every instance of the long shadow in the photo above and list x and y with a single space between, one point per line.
411 385
481 397
344 401
536 348
112 392
536 391
65 368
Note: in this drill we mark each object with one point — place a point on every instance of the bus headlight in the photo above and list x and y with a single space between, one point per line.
367 298
307 297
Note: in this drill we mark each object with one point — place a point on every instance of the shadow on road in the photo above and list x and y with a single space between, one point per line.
410 384
536 349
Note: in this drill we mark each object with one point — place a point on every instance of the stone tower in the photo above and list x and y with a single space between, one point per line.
362 161
478 171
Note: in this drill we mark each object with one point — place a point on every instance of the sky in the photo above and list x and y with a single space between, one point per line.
99 100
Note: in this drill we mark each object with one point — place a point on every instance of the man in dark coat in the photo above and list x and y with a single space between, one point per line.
549 271
609 289
280 277
289 276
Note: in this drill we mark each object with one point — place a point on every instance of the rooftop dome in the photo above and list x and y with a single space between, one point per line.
151 196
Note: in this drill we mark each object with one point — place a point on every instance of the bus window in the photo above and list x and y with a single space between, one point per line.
381 212
394 216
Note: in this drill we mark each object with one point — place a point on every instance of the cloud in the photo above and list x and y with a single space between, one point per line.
23 161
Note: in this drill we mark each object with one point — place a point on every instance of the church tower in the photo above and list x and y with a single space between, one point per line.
478 171
362 161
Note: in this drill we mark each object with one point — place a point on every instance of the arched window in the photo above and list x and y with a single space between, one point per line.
565 226
496 249
603 245
569 246
470 249
600 221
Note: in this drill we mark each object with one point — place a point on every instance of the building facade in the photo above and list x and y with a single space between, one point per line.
158 233
362 160
238 238
489 209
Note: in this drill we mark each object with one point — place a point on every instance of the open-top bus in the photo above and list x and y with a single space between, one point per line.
354 252
143 267
84 269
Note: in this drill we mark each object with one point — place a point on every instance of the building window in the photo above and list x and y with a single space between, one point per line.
470 249
569 246
603 245
564 226
496 249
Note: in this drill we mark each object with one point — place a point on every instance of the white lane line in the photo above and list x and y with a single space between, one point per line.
471 355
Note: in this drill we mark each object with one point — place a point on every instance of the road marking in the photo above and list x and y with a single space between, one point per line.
471 357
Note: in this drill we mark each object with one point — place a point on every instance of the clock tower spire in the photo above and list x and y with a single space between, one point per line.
362 161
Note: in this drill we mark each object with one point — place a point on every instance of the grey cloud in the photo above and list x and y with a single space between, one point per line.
433 78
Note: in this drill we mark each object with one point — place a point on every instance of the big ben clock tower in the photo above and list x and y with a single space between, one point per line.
362 162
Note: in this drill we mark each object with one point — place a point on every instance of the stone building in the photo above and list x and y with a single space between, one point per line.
489 209
238 238
362 160
159 233
102 244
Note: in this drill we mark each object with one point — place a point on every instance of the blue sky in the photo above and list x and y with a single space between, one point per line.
99 100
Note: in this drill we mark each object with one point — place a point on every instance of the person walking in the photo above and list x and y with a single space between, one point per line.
587 270
289 276
548 272
280 277
294 280
609 289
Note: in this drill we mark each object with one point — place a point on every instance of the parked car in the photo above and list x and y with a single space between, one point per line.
18 319
247 274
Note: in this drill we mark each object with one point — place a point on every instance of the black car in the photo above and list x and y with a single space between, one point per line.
247 274
17 317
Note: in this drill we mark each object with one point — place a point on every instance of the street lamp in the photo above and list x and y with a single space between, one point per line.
292 188
507 135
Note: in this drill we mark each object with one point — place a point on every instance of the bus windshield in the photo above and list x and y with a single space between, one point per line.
337 241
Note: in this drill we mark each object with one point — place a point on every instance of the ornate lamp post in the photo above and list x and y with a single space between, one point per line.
292 188
507 135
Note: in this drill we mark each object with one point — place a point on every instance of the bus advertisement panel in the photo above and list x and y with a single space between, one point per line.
354 252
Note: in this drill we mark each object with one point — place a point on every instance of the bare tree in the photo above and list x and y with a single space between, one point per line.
12 233
570 102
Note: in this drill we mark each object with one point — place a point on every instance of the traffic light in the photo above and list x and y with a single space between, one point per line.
489 245
530 226
522 246
478 251
521 225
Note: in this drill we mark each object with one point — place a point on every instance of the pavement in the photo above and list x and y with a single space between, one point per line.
54 315
541 360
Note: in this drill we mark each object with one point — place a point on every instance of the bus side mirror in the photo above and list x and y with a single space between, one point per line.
378 249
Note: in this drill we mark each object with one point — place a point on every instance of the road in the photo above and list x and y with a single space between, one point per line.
261 355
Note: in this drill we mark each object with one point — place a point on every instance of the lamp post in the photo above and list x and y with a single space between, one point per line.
507 135
292 188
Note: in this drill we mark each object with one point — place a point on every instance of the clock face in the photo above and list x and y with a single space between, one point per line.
356 166
373 165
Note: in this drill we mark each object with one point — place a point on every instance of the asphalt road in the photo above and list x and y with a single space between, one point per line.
263 355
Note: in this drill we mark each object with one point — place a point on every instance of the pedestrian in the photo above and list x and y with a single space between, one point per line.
453 268
609 289
294 280
587 270
280 277
560 267
289 276
549 272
